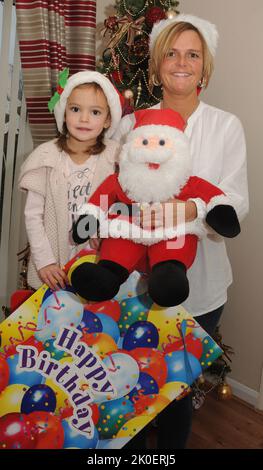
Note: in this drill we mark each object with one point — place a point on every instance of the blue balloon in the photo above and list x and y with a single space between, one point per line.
72 438
90 323
141 334
109 326
38 398
146 386
182 367
59 310
21 376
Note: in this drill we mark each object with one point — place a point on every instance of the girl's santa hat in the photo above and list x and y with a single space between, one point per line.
114 98
207 30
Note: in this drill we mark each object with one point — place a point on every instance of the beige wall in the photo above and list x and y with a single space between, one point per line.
237 87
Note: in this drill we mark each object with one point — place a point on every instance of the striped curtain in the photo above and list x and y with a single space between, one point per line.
53 34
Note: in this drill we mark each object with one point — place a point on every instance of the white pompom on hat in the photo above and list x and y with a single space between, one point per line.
111 93
207 30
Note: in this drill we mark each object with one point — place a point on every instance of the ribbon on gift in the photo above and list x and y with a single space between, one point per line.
127 25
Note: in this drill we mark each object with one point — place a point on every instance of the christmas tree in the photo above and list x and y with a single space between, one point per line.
125 59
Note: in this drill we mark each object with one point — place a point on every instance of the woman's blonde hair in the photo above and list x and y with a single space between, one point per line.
163 44
62 141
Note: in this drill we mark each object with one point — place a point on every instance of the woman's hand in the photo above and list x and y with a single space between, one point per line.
95 243
167 214
53 276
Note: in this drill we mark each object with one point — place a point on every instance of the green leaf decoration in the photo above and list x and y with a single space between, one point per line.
62 81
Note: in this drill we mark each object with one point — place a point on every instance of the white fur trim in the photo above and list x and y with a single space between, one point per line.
217 200
92 209
111 94
124 229
207 29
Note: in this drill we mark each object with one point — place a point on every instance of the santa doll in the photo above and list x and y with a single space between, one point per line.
154 166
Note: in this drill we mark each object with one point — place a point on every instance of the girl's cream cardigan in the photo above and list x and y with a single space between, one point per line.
43 172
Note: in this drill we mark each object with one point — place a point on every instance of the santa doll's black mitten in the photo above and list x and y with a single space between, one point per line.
168 283
223 219
84 228
98 282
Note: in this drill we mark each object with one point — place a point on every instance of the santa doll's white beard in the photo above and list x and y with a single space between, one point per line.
143 184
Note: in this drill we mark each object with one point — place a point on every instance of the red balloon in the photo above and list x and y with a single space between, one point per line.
66 412
4 374
95 413
193 345
16 432
109 307
152 362
143 402
32 341
48 428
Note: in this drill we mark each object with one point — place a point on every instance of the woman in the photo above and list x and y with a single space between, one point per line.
182 53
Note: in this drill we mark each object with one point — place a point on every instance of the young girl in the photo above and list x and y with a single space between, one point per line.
60 175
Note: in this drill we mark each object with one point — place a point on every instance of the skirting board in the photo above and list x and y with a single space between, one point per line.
240 391
244 393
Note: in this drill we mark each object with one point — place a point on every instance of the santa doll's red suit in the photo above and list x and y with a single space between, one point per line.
155 166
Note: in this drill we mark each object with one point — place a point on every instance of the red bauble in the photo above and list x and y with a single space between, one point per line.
48 430
16 432
151 362
193 346
4 374
153 15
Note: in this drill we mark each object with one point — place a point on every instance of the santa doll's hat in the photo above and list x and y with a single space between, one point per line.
59 100
166 118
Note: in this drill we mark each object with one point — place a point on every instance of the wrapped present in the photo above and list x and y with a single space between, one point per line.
92 375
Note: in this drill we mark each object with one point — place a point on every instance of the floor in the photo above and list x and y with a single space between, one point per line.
226 424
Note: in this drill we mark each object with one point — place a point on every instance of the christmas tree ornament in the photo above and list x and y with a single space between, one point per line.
128 31
224 391
128 94
170 13
153 15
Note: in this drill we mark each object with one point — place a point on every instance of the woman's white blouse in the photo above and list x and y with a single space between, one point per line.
218 151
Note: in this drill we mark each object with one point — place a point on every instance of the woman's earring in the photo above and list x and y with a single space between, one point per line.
202 83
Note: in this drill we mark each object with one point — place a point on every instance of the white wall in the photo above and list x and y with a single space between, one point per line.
237 87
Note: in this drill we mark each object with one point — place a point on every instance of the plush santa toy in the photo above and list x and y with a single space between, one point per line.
155 166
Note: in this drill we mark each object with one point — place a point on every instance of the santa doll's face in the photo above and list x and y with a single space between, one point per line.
154 163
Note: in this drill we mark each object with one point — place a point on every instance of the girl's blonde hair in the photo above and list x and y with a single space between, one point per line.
62 141
162 46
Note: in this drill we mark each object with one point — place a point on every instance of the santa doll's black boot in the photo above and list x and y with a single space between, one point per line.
98 282
168 283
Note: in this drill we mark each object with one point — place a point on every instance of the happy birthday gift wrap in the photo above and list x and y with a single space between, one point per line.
78 375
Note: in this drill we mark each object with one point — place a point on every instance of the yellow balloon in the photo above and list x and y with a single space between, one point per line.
168 322
155 406
11 398
22 324
133 426
81 260
172 390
